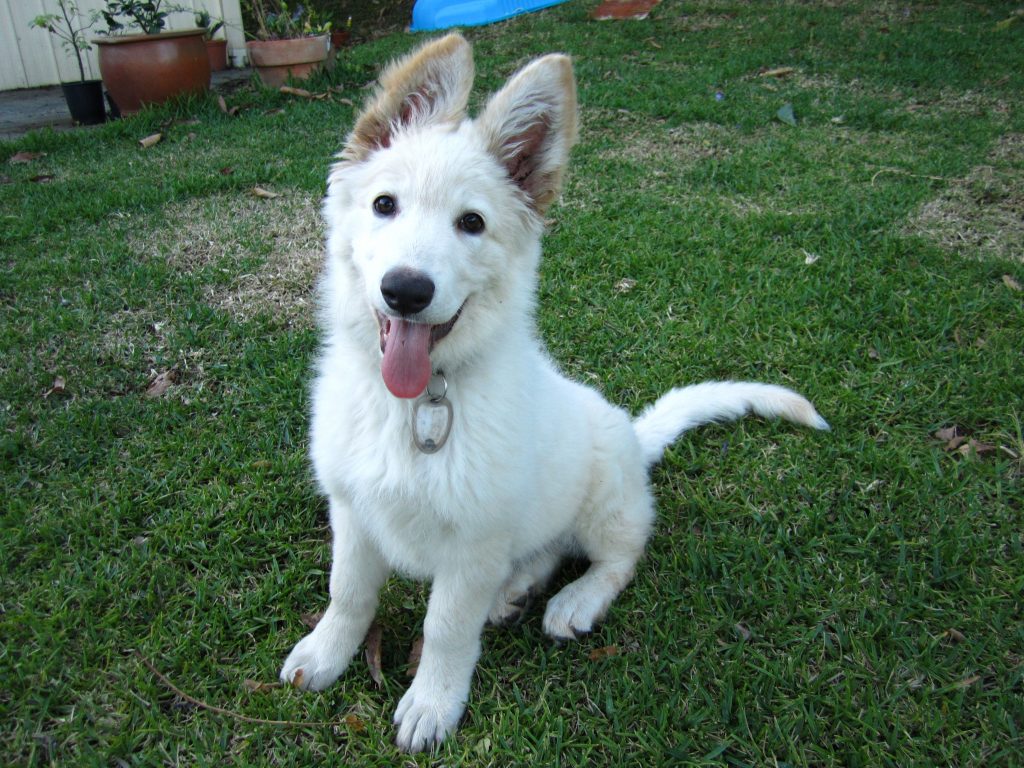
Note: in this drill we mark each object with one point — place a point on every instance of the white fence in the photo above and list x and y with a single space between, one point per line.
31 57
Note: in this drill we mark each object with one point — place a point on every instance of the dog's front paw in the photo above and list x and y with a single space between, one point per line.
315 662
425 716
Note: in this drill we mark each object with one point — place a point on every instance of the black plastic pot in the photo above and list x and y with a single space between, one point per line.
85 101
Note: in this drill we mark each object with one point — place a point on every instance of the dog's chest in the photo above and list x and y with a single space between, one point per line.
432 511
421 509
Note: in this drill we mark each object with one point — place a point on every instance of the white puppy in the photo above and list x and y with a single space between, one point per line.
450 446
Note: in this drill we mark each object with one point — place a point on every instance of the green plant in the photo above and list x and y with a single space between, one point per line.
275 21
67 26
148 15
208 24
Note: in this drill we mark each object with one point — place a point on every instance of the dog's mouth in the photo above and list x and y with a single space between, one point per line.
406 346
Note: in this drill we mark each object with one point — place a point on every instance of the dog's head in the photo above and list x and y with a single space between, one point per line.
436 219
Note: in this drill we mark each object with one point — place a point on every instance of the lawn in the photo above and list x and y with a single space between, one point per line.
843 599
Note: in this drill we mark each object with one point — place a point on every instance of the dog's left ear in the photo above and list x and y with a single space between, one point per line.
428 86
530 126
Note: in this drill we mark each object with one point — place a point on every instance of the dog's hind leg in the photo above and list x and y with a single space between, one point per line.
528 577
581 604
612 529
357 574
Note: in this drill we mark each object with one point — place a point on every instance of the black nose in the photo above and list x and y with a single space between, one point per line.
406 291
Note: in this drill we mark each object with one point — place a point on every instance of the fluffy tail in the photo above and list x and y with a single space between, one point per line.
681 409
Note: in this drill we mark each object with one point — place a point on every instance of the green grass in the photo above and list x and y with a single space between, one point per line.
849 599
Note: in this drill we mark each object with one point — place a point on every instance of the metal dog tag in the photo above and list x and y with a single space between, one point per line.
432 416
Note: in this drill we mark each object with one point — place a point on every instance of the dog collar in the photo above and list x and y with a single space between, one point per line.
432 416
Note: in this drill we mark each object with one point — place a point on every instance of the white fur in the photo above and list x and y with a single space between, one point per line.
536 466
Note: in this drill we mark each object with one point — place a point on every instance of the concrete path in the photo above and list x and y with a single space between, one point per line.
31 109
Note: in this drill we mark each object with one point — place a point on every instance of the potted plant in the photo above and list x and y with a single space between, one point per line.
287 43
216 48
84 97
339 39
154 66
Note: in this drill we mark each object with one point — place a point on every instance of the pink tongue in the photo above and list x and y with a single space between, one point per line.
406 365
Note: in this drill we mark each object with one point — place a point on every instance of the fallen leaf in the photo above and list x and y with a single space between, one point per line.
57 388
311 619
873 353
301 92
953 437
778 72
25 157
161 383
625 285
226 171
955 635
1010 283
223 105
483 747
414 658
255 686
600 654
967 682
151 140
786 114
869 486
973 446
373 644
354 722
743 631
43 178
810 258
347 102
264 193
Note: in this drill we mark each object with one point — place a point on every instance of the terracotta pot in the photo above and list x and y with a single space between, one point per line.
217 50
339 39
276 60
151 69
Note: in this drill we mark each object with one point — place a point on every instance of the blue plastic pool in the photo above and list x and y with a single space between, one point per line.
441 14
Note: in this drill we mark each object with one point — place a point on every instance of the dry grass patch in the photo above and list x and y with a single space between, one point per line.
263 254
954 102
981 214
639 139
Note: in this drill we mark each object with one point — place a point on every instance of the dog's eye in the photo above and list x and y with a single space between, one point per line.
472 223
385 205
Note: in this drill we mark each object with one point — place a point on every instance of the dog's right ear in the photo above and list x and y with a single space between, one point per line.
430 85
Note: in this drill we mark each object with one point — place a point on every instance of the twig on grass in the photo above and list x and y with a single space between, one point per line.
230 713
906 173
